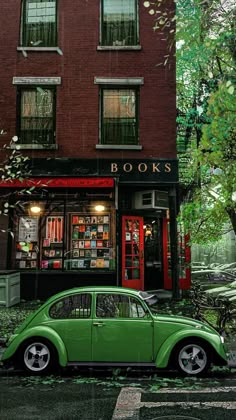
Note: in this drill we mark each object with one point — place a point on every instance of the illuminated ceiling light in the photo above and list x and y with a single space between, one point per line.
35 209
99 208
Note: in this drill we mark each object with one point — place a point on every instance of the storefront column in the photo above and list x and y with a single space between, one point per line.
117 249
174 242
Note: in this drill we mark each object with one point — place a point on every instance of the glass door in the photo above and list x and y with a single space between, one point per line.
153 253
132 252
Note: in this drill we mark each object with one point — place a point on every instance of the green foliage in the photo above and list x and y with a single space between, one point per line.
218 142
205 83
12 317
213 203
14 164
13 167
206 60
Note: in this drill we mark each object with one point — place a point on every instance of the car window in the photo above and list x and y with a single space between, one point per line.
118 306
76 306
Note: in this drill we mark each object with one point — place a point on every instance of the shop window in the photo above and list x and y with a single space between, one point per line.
118 306
77 307
119 113
62 237
90 242
36 110
119 26
39 23
27 242
52 242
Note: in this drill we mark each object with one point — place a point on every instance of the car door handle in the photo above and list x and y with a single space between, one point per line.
98 324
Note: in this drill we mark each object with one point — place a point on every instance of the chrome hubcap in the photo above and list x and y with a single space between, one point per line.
37 357
192 359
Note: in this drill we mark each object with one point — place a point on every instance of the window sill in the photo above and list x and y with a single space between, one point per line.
119 47
118 147
39 49
34 146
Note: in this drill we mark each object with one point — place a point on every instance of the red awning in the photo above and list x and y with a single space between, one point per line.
59 183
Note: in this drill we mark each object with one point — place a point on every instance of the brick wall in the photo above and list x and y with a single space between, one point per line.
77 97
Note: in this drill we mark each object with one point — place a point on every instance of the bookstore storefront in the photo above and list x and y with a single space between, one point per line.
105 228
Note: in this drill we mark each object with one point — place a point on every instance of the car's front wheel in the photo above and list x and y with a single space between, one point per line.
192 358
37 356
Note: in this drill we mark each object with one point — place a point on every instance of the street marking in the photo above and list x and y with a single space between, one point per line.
128 404
129 401
219 404
198 391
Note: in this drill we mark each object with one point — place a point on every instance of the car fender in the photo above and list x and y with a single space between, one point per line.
164 352
41 332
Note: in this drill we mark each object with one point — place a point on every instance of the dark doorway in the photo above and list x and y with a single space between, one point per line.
153 253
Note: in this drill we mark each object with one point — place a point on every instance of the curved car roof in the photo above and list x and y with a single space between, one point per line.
95 289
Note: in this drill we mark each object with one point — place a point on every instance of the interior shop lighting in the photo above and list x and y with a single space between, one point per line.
99 208
34 208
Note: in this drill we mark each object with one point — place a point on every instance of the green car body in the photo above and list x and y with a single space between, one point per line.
85 334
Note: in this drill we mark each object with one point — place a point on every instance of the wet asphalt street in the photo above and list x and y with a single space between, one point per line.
99 395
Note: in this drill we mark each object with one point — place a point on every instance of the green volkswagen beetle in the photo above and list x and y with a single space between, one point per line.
111 326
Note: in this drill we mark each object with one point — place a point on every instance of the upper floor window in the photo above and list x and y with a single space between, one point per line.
36 109
119 26
39 23
119 114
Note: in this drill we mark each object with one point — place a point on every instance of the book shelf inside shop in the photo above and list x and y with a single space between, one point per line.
52 243
90 241
26 255
87 244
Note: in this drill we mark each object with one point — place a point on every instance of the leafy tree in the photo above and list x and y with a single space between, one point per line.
14 166
213 202
206 64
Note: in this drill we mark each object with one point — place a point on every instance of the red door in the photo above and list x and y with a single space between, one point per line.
132 252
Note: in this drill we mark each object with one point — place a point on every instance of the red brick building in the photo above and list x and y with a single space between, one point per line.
82 89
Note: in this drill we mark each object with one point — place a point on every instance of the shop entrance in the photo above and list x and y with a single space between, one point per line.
142 253
153 253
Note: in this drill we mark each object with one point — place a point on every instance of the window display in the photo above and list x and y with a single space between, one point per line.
27 242
52 244
90 242
62 237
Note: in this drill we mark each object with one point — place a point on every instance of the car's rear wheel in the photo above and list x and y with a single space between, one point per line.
37 356
192 358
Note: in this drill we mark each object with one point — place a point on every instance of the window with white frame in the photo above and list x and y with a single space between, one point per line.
39 23
119 23
119 116
36 115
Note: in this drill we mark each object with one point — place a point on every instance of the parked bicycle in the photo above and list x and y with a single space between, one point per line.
222 309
